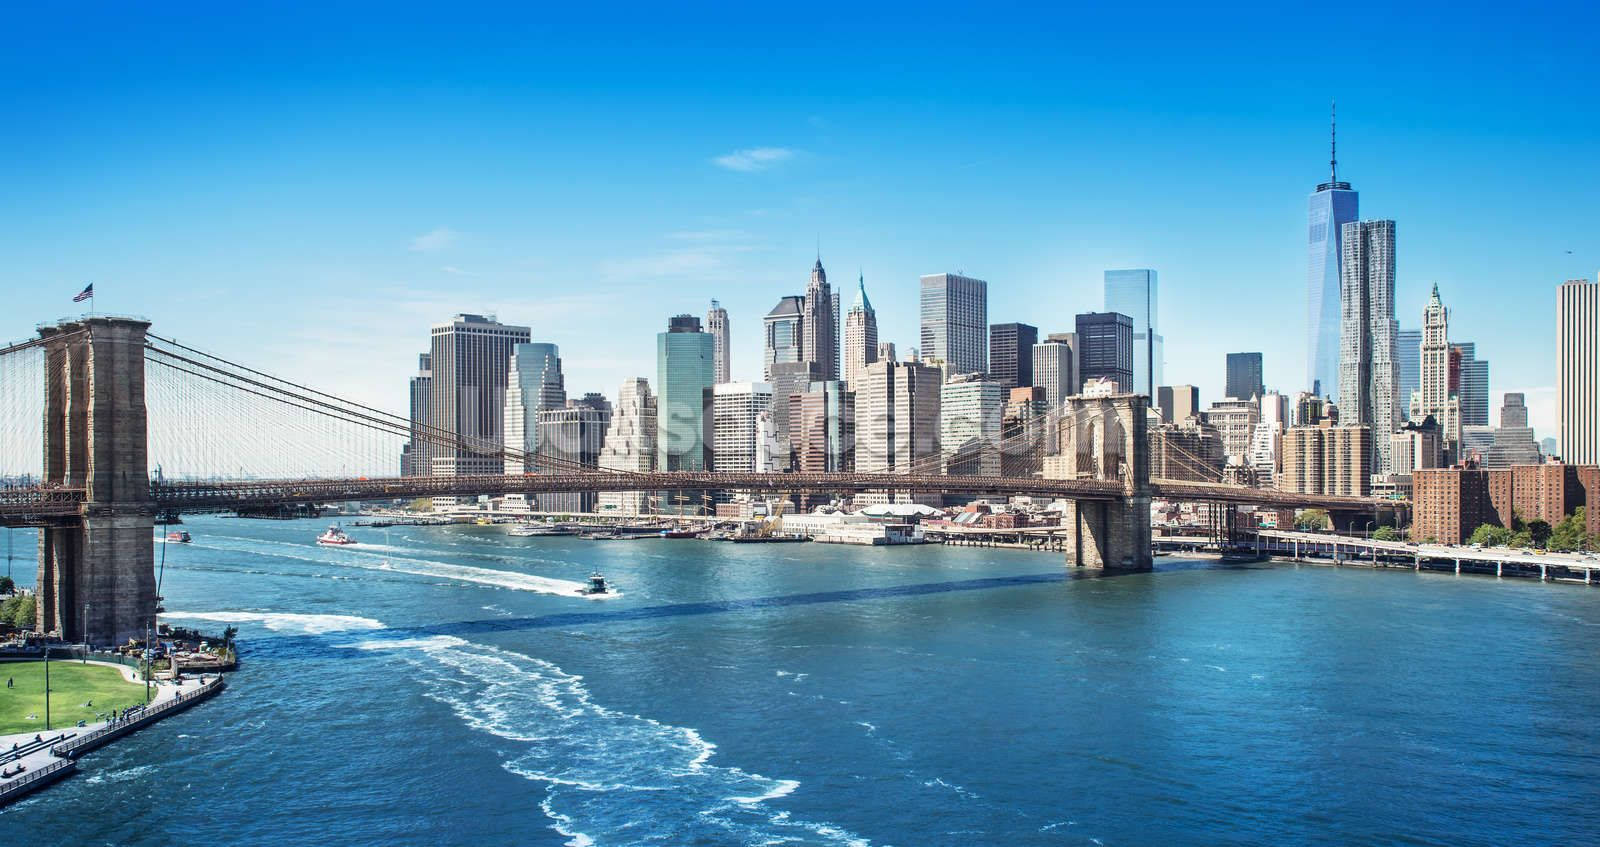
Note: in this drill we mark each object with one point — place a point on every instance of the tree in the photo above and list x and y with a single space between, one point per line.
1521 538
19 611
7 586
1539 532
1489 535
1386 533
1570 533
1311 519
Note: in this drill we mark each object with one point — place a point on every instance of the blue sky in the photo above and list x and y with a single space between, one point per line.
307 189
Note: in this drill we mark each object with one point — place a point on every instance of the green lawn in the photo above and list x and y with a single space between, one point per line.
71 686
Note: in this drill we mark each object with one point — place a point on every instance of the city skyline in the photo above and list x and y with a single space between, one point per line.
329 244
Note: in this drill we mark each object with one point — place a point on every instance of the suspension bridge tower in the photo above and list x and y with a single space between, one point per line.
97 575
1107 438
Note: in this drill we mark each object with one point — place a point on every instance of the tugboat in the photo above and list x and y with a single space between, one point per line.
179 537
597 585
335 536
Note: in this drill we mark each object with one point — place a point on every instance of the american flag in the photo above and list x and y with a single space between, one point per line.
86 293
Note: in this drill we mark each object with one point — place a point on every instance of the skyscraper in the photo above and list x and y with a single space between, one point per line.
535 385
1178 403
630 445
1133 293
897 417
717 326
569 436
971 407
1434 397
1368 372
735 407
822 427
784 333
860 336
1513 441
1244 379
1469 381
1053 368
1578 370
955 322
820 325
1330 207
1105 349
1408 359
421 391
471 359
684 375
1011 353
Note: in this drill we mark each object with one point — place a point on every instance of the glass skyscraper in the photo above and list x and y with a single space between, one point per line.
955 322
1329 208
1408 356
685 372
1133 293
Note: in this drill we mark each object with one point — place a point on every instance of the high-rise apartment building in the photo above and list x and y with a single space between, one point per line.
783 334
571 437
1055 367
971 408
1368 372
860 335
1178 403
1105 349
1244 377
471 359
1327 459
684 376
1132 292
735 408
897 417
717 326
421 395
1329 208
955 322
1011 353
630 445
820 324
1578 370
1187 450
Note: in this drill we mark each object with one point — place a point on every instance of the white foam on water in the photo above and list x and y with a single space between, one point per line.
281 621
611 777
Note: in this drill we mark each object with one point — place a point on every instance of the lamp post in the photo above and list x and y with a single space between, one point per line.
47 687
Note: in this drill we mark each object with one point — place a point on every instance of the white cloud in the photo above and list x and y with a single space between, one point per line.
438 239
754 158
452 269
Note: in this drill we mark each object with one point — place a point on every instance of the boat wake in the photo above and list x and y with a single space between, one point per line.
282 621
612 778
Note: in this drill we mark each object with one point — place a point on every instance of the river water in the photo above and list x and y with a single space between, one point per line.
442 685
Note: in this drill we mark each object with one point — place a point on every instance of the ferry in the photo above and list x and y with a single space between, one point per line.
597 585
179 537
334 535
526 529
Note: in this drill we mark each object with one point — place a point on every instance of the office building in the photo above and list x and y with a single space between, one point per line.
421 395
1178 403
1435 397
735 407
1327 459
717 326
1011 353
1417 445
971 408
1235 421
1368 372
1310 410
471 367
1477 442
788 379
1578 370
1055 368
630 445
783 334
1133 293
684 376
1469 382
1105 349
860 335
1408 361
897 418
955 322
1244 379
822 424
535 385
570 438
820 325
1513 441
1329 209
1026 435
1266 439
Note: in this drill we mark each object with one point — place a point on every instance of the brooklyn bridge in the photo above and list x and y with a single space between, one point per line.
109 428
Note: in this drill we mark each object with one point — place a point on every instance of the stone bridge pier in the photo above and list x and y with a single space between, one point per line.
97 576
1106 438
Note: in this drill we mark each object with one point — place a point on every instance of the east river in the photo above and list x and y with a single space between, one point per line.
443 686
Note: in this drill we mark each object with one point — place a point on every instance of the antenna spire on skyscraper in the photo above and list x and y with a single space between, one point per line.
1333 140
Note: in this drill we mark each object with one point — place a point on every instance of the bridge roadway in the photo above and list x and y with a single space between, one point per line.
46 506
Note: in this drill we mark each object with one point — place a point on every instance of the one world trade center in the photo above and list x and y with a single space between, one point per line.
1331 206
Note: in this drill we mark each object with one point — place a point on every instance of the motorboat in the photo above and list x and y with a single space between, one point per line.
680 533
335 536
596 585
524 530
179 537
